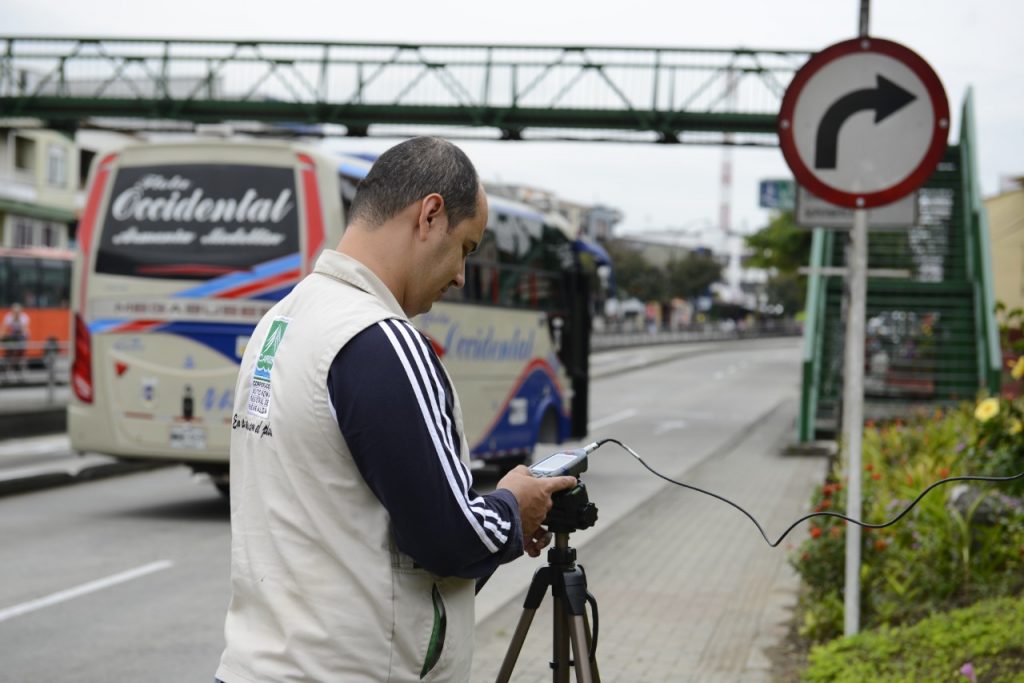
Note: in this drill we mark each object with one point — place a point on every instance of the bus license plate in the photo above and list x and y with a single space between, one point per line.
188 436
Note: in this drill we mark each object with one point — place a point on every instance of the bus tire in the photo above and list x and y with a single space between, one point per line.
548 431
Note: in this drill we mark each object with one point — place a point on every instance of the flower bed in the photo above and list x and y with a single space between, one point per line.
961 543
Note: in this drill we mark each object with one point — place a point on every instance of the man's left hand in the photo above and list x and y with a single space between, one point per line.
537 542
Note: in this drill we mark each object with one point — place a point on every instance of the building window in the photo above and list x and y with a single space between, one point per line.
56 165
49 235
24 232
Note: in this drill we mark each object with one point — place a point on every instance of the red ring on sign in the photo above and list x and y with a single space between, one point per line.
937 147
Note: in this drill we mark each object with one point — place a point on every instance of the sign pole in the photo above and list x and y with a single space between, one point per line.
853 393
853 412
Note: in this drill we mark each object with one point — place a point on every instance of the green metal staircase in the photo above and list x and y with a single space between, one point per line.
931 338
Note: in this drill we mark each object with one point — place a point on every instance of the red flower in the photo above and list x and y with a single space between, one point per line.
876 476
868 467
881 544
815 532
943 472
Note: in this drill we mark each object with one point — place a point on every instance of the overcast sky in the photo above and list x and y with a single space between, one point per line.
968 43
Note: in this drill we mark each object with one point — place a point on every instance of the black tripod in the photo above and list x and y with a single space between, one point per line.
568 583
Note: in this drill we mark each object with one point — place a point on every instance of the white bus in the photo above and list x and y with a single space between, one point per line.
182 247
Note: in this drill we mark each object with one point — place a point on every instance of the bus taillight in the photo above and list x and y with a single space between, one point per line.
81 367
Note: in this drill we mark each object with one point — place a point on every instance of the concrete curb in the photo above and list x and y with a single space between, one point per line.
68 476
721 346
49 420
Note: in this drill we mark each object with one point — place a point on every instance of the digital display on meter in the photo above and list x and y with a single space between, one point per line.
552 464
567 462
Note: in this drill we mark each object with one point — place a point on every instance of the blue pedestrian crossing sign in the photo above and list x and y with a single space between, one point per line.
777 194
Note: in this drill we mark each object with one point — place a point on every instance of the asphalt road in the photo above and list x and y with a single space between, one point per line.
127 578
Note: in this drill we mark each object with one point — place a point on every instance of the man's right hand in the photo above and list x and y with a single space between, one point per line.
533 495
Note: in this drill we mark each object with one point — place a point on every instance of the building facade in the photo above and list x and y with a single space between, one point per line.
1006 239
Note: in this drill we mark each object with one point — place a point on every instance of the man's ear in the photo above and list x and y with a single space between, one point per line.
432 214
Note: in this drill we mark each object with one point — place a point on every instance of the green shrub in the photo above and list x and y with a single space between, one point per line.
943 554
988 636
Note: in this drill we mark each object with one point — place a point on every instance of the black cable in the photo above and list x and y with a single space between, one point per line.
813 514
596 630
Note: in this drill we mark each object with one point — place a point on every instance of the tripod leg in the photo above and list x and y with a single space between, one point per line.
580 650
534 595
560 643
515 646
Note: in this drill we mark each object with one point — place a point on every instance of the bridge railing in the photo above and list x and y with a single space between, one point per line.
979 256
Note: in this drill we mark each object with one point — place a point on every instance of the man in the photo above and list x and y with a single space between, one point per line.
356 536
15 334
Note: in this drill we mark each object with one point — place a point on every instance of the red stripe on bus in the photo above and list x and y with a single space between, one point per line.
277 280
314 215
137 326
87 225
185 269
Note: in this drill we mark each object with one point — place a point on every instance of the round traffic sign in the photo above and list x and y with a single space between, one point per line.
864 122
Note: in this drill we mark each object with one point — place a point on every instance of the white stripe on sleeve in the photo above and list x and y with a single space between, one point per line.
439 446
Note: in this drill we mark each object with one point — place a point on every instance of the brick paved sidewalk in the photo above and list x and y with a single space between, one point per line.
687 588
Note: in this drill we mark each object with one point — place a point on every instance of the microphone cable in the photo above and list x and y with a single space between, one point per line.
597 444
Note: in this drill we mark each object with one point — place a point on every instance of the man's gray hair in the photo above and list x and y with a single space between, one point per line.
410 171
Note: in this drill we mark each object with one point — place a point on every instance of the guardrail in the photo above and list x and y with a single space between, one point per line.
34 364
695 333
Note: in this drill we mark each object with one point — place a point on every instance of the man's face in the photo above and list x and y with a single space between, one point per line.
446 256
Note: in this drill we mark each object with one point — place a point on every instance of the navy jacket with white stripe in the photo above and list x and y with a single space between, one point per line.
395 409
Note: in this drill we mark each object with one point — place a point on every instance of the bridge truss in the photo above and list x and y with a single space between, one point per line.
666 95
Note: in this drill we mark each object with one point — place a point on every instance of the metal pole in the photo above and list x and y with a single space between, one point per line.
853 412
853 393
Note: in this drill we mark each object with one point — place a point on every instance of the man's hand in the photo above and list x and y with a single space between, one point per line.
534 498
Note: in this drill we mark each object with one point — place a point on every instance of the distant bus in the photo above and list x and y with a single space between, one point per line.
39 279
184 246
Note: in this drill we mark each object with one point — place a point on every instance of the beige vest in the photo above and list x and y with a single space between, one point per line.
319 592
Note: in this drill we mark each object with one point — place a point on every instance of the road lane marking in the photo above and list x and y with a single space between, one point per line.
611 419
669 426
83 589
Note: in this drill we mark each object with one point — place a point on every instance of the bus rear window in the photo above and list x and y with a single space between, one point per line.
197 221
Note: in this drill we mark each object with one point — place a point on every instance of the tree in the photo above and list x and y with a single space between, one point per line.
781 245
634 275
691 276
782 248
786 290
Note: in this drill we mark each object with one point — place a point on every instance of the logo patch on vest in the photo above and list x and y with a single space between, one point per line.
259 388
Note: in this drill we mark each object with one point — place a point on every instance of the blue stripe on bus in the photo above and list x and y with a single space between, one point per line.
98 326
237 279
219 337
507 437
353 170
273 295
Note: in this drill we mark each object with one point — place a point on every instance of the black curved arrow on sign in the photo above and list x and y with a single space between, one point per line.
886 99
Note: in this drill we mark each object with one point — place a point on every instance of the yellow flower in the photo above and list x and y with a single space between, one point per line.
987 409
1018 369
1015 427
